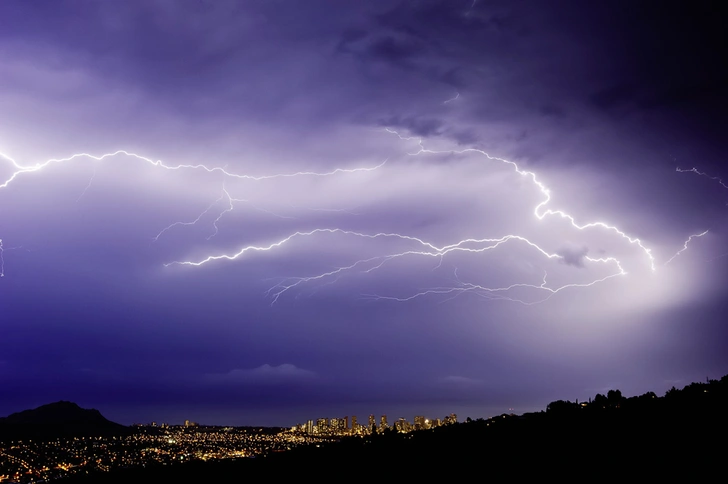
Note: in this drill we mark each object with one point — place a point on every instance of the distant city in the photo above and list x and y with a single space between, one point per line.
38 460
340 426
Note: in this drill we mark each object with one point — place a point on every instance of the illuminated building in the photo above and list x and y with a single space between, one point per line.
420 422
451 419
354 425
383 422
372 420
322 424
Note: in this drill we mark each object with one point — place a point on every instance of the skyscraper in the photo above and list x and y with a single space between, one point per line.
383 422
322 424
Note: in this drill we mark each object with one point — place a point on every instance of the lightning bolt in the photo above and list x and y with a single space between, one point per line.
685 246
538 211
230 207
428 249
457 95
20 169
494 293
90 181
422 247
193 222
695 170
3 249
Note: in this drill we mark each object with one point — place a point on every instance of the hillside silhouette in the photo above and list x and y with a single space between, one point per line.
608 437
60 419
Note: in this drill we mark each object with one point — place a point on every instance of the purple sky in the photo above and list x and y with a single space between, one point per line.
484 294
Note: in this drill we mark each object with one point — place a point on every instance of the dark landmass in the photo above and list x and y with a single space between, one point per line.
58 420
610 437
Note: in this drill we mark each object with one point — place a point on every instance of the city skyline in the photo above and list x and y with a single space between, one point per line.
266 212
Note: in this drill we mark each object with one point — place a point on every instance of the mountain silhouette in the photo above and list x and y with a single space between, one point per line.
59 419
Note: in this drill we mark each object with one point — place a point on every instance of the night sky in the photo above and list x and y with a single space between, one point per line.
330 208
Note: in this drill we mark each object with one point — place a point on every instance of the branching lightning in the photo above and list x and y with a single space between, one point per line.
20 169
542 188
695 170
457 95
90 182
193 222
428 249
3 249
414 246
497 293
685 246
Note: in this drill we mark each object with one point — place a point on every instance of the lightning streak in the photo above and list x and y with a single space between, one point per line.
428 249
494 293
20 169
422 248
695 170
2 252
231 205
685 246
457 95
90 181
542 188
193 222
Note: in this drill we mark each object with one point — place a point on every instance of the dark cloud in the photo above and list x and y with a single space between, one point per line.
264 374
551 110
392 50
613 97
573 255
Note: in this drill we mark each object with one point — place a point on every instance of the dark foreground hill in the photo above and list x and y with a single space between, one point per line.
679 435
60 419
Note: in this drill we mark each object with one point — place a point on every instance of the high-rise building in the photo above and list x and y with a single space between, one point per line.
354 425
322 424
309 427
420 422
402 425
451 419
346 423
383 422
372 420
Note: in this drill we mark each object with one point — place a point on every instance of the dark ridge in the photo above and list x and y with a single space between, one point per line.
679 435
55 420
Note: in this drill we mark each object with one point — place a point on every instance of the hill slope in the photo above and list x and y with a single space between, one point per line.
60 419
